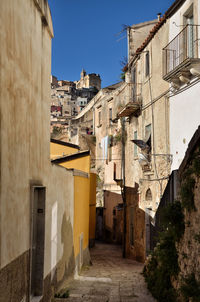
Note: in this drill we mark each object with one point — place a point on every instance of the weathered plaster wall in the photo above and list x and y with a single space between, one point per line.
138 33
81 212
137 249
25 63
111 200
25 137
149 88
105 164
59 223
92 217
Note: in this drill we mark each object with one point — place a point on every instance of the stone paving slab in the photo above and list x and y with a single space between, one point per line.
122 279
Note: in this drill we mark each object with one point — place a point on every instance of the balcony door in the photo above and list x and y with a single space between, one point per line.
190 36
134 93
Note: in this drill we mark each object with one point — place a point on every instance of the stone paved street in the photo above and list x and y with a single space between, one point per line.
110 279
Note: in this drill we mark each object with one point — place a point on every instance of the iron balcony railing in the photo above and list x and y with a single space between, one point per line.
183 47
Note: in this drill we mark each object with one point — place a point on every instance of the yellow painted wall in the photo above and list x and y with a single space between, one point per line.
81 212
82 164
58 150
84 194
92 224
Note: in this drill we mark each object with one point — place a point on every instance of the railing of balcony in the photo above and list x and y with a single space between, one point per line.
135 93
184 46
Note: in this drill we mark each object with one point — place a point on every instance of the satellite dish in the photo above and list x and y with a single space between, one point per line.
143 160
145 146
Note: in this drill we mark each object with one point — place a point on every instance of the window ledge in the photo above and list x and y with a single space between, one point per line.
36 299
150 172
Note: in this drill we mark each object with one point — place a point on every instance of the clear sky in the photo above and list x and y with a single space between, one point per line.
86 34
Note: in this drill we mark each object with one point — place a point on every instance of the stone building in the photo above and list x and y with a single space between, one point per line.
72 97
89 80
108 142
136 35
157 119
181 69
104 117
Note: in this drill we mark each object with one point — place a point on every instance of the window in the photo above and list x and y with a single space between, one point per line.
148 136
110 116
134 81
99 118
147 64
131 225
135 146
147 131
148 196
189 36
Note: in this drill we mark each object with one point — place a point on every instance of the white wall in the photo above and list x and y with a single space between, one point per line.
184 120
184 107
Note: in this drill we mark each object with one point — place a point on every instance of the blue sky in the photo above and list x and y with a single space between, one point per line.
86 34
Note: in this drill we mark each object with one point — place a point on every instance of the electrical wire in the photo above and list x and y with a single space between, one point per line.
170 93
153 134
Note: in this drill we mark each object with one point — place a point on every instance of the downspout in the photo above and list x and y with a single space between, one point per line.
128 42
123 189
93 118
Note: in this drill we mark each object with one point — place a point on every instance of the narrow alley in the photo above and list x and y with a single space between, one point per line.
99 148
110 278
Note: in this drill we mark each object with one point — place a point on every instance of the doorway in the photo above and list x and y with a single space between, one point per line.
38 196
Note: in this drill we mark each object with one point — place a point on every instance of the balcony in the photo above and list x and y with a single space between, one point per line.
133 107
181 57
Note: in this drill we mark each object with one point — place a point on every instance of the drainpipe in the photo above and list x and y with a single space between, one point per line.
128 42
93 122
123 186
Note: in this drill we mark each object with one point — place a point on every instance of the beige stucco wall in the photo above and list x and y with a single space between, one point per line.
137 34
59 221
25 68
24 132
150 88
105 168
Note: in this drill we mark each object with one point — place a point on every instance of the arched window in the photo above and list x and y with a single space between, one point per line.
148 196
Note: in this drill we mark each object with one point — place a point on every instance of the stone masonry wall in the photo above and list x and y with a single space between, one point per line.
189 246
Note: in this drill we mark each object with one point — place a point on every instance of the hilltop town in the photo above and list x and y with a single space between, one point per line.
69 98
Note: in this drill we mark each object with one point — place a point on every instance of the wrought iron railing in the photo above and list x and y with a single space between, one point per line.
135 93
184 46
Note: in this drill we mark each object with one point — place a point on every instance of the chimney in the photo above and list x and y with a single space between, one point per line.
159 16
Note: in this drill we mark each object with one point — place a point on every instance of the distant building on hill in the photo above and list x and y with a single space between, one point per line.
68 98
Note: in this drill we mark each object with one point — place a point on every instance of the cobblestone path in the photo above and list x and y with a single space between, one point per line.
110 279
